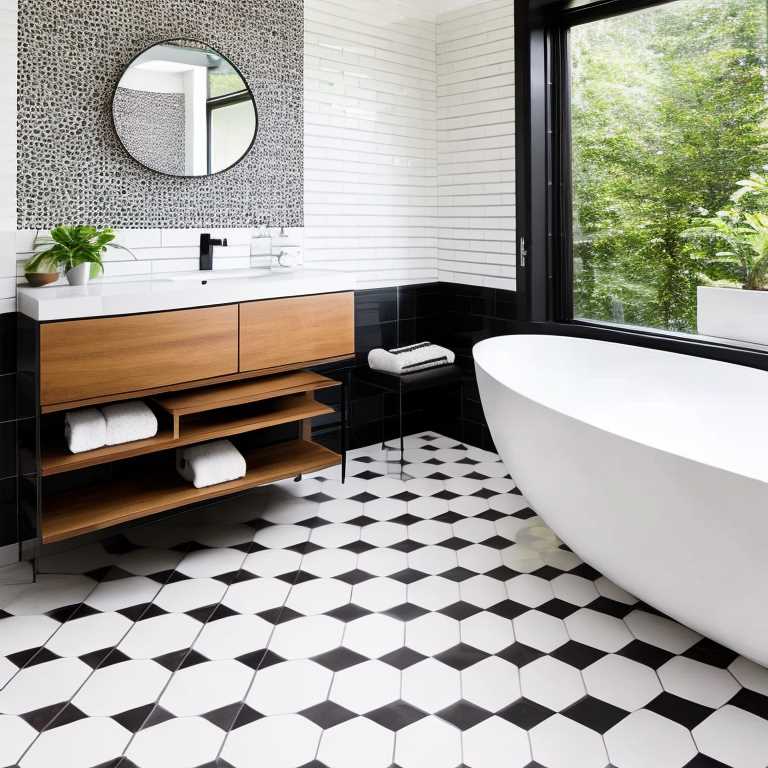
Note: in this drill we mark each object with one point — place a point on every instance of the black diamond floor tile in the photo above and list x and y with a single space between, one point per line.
710 652
408 576
348 612
751 701
355 577
133 719
396 715
458 574
525 714
403 658
407 545
406 612
339 658
702 761
558 608
464 715
577 654
460 610
687 713
611 607
455 543
327 714
646 654
509 609
519 654
449 517
461 656
596 714
245 716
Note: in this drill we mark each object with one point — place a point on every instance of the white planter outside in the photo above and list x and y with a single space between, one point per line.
79 275
733 313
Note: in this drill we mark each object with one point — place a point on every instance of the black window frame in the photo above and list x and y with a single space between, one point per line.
543 162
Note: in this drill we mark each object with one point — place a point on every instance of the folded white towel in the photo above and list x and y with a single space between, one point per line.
129 421
85 430
210 463
416 357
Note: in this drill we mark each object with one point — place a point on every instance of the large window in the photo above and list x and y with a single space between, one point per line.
669 113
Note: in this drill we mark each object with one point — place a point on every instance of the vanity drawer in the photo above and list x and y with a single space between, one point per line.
278 332
81 359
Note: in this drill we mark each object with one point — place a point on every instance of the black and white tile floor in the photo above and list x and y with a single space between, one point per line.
431 623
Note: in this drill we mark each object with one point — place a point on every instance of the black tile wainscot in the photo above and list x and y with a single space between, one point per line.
9 524
456 316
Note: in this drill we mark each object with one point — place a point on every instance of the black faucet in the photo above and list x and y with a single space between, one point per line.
206 250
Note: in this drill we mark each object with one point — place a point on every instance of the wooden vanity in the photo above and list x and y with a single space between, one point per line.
230 370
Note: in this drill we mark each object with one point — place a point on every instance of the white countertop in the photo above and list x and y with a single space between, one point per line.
130 296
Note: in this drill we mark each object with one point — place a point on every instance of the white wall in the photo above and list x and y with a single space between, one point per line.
370 200
476 144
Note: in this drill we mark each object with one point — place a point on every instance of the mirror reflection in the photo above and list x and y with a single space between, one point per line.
183 109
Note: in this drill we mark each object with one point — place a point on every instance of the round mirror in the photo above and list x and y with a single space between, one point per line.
183 109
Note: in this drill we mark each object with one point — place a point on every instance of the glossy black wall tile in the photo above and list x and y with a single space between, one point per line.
9 530
8 431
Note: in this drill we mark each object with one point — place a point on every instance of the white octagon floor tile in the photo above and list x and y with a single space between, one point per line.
529 590
184 742
599 630
159 635
256 595
17 633
274 562
388 509
335 535
329 562
698 682
87 742
289 687
551 682
366 686
614 592
487 631
205 563
17 736
290 512
43 684
433 593
474 529
91 633
496 743
468 506
522 559
426 508
379 594
119 687
318 596
734 737
429 531
646 739
384 534
483 591
123 593
622 682
48 593
432 633
559 742
479 558
428 742
374 635
204 687
233 636
433 559
306 637
342 745
280 741
750 675
431 685
540 630
7 671
382 561
491 684
507 503
661 632
146 561
574 589
181 596
281 536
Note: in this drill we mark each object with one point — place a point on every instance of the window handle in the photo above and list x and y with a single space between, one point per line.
523 252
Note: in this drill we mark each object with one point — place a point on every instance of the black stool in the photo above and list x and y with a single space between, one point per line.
446 375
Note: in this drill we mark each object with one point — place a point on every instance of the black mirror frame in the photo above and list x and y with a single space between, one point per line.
237 70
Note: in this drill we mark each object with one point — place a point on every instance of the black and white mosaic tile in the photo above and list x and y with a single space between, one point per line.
426 622
71 167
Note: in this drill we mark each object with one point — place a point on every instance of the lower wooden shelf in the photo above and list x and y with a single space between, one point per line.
160 489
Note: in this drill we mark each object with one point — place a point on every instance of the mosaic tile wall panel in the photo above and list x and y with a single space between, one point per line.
152 127
71 166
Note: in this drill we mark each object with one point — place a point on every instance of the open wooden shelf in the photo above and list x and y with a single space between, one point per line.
159 488
207 414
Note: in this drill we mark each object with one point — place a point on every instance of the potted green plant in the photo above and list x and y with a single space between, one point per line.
733 302
77 250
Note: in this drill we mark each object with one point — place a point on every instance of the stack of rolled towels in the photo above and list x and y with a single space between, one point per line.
410 359
92 428
210 463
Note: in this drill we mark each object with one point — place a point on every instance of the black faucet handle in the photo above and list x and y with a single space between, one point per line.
225 242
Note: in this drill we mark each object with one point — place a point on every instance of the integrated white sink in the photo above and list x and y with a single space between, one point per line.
175 291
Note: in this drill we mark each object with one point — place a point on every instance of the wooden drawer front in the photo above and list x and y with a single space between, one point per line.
80 359
279 332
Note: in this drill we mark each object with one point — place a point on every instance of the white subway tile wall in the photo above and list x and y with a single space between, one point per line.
476 145
370 145
7 154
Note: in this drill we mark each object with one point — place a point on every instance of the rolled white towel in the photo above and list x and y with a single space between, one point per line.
416 357
129 421
210 463
85 430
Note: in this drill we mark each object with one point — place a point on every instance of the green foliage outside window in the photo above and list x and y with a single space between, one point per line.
669 113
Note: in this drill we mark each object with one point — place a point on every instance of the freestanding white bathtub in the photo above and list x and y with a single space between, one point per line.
652 466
